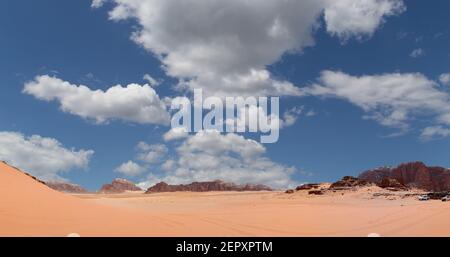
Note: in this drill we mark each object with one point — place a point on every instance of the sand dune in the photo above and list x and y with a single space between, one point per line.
29 208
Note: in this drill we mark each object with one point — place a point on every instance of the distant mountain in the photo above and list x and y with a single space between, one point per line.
413 175
66 187
205 187
119 185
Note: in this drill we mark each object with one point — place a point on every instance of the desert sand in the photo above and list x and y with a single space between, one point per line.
29 208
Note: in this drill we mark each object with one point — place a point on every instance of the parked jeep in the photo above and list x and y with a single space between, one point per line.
424 198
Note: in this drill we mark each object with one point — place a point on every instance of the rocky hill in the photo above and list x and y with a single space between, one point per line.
118 186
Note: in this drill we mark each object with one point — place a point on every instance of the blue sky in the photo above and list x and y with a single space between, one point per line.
82 45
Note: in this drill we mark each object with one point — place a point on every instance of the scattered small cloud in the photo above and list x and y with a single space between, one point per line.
152 81
130 169
418 39
151 153
97 3
290 116
311 113
435 132
441 34
416 53
445 79
147 154
402 35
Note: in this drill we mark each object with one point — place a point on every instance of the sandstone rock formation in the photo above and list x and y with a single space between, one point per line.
413 175
205 187
118 186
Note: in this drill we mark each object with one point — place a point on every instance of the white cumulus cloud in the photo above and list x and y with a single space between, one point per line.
43 157
224 47
133 103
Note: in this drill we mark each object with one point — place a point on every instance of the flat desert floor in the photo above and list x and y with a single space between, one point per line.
28 208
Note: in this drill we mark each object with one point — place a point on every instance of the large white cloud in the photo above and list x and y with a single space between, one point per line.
45 158
210 155
134 103
347 18
391 99
225 47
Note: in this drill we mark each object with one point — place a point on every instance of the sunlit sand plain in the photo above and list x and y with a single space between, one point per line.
29 208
